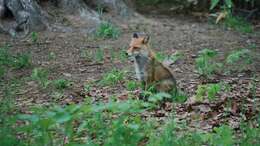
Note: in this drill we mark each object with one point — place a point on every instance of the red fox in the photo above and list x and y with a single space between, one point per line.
148 70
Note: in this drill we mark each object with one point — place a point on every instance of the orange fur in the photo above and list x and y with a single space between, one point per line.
148 69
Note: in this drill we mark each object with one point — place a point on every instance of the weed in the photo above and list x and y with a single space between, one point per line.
126 129
234 22
180 97
158 97
132 85
112 77
7 114
52 56
178 55
34 37
209 90
99 57
237 55
100 10
223 136
22 61
122 55
242 57
88 55
61 84
5 56
9 91
41 76
5 60
160 56
107 30
251 135
205 64
15 61
238 24
168 136
87 87
2 71
112 123
228 4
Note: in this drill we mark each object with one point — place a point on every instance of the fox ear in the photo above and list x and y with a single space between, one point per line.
135 35
146 39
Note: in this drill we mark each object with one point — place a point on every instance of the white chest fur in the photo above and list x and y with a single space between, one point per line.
140 64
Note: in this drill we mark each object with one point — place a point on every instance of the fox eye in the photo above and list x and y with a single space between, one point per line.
136 48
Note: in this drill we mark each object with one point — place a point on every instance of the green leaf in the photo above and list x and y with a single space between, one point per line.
228 3
214 3
63 117
32 118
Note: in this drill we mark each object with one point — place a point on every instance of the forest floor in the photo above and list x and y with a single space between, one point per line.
75 55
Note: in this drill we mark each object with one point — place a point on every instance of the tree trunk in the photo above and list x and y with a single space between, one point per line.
27 16
19 17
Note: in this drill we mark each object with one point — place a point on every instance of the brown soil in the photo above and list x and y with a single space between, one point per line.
168 35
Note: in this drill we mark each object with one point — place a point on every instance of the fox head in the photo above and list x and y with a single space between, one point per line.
139 45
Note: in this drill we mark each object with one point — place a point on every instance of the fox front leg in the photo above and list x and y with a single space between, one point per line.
143 95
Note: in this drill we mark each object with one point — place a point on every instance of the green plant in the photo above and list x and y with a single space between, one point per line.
100 10
160 56
22 60
132 85
170 135
122 55
41 76
238 24
251 135
52 56
158 97
111 124
88 54
34 37
228 4
107 30
113 77
223 136
205 64
2 72
209 90
235 56
7 60
61 84
8 119
178 55
99 57
5 56
87 87
242 57
84 124
180 97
